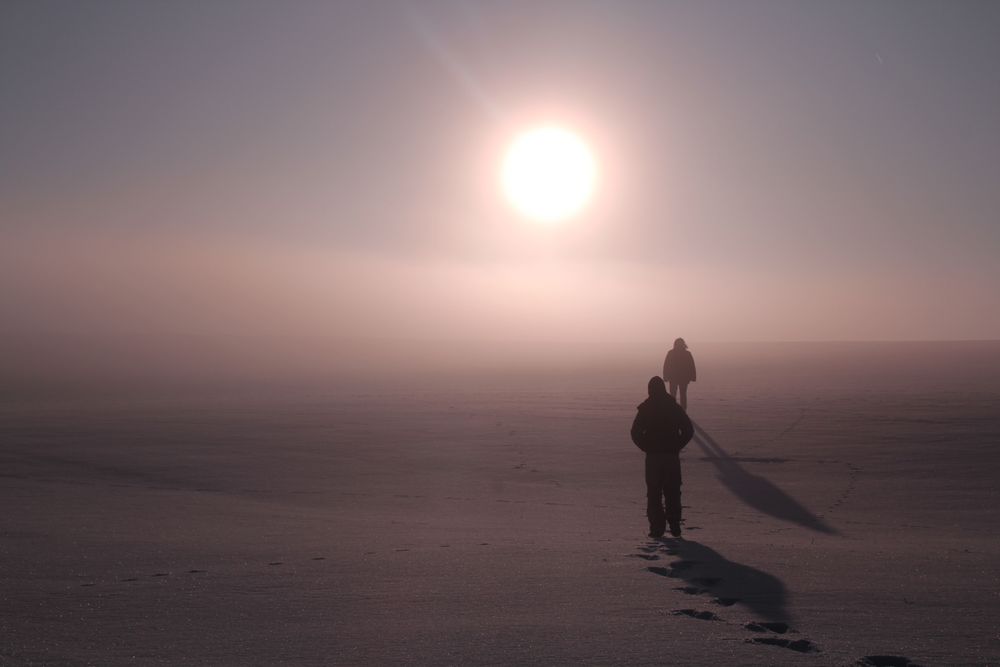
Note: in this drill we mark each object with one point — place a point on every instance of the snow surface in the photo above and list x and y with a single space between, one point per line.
503 522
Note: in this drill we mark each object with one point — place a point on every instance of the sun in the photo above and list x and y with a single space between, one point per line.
549 174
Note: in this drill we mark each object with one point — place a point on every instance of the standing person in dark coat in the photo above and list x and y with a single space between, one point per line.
678 370
662 429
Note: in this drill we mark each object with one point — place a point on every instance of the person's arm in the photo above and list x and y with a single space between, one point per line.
638 431
694 373
686 428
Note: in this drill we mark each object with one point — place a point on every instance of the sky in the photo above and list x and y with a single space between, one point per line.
769 171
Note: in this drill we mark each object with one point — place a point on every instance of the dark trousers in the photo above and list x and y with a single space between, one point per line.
663 490
683 386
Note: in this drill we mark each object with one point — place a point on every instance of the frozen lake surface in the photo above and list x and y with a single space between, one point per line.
844 495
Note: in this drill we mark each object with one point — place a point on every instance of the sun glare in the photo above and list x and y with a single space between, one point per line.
549 174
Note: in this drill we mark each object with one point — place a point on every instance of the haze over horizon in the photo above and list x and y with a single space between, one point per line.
769 171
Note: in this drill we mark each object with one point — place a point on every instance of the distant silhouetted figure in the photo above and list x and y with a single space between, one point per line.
678 370
661 429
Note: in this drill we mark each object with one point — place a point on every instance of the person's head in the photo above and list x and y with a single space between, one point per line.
679 344
656 387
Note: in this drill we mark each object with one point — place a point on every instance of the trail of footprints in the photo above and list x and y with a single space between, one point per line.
274 563
772 631
768 633
156 575
853 472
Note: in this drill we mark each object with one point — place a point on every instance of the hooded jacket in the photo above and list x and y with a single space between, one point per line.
661 426
679 366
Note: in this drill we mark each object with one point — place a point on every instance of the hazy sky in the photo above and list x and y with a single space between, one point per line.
769 170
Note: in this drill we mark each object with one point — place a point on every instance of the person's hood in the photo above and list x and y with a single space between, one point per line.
657 403
656 387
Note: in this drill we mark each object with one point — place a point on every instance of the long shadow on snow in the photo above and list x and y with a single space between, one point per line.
764 594
756 491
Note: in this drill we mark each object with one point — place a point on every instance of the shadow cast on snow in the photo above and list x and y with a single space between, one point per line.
764 594
756 491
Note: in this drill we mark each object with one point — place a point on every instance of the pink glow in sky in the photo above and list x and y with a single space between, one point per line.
769 171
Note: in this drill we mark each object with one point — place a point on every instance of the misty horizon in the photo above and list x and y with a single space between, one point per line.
764 172
42 365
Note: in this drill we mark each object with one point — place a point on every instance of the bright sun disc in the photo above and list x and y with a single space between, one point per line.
549 174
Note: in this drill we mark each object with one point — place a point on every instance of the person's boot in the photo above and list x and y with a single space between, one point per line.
657 531
675 528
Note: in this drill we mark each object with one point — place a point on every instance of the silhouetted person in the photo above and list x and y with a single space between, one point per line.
661 429
678 370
